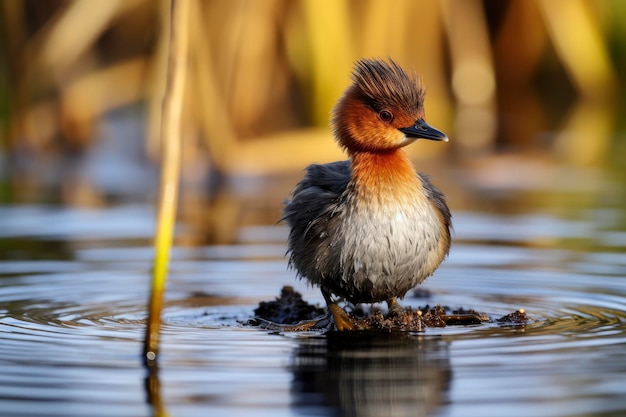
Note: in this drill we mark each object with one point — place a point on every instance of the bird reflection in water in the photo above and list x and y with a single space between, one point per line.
371 374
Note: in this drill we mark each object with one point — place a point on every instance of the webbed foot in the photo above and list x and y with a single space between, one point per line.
342 320
393 307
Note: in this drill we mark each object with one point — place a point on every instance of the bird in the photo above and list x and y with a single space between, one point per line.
370 228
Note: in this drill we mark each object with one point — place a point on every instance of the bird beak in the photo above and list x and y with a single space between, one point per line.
422 130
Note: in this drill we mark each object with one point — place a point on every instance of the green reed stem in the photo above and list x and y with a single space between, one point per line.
171 140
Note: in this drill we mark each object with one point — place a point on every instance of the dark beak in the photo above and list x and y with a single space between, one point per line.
423 130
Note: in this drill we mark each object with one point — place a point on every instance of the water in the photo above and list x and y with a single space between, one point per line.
74 285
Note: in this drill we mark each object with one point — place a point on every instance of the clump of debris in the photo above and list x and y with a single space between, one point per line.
288 308
289 312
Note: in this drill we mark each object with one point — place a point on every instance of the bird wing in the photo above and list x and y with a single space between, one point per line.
313 210
322 185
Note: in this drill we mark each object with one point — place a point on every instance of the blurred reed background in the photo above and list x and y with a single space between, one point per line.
82 82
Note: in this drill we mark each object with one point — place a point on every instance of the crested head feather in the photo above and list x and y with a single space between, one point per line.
384 84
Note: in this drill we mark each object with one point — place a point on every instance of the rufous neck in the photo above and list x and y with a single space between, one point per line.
388 172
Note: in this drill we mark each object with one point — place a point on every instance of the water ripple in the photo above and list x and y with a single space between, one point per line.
71 334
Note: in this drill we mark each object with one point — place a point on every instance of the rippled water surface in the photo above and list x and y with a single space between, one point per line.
74 285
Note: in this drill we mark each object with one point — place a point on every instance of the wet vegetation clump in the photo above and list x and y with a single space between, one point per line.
289 312
288 308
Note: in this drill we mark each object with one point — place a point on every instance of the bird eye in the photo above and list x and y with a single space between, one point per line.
385 116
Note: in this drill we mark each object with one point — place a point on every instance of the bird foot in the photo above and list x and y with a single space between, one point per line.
342 320
394 308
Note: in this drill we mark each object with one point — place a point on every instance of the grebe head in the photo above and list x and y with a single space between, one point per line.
382 110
